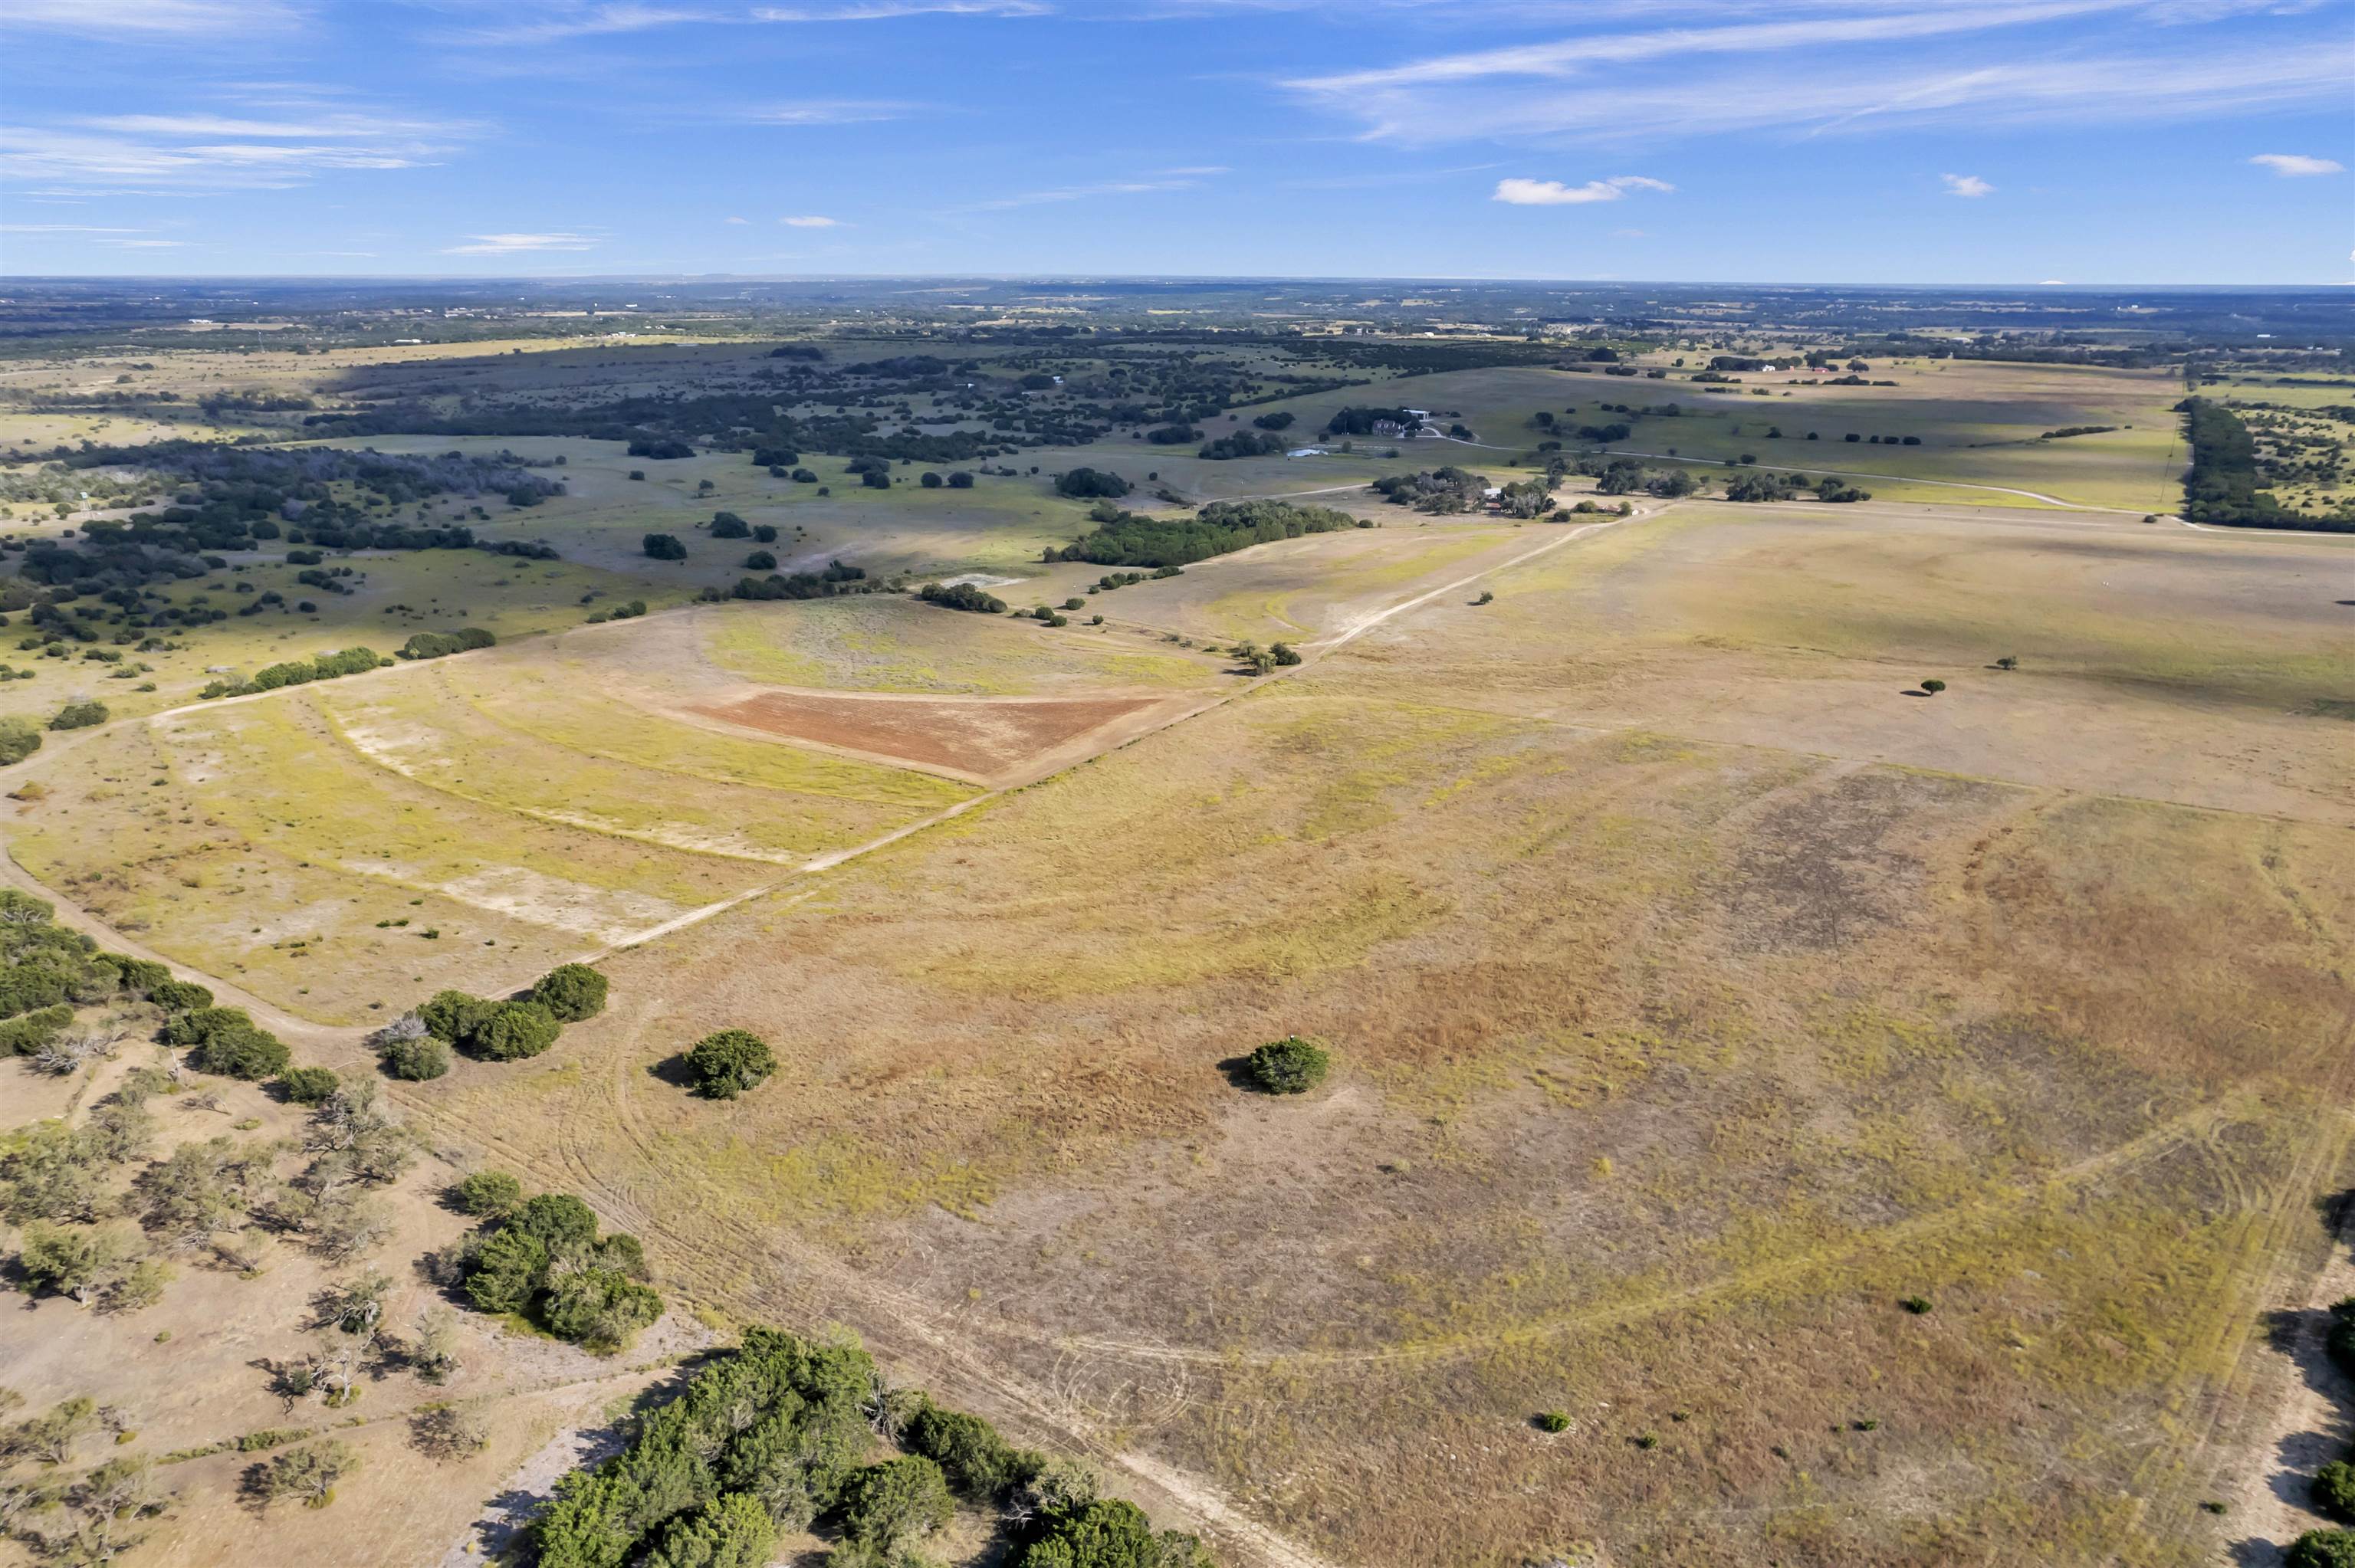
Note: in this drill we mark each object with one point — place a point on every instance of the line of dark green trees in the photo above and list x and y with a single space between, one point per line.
781 1434
1130 539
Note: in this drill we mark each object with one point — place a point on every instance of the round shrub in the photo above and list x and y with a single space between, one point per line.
2340 1342
79 716
2322 1549
18 740
1553 1421
310 1086
179 996
2334 1491
516 1030
727 1064
558 1221
417 1060
454 1016
897 1501
570 992
487 1194
760 561
1289 1066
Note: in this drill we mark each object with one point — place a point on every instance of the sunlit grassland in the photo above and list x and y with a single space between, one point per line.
556 698
890 643
158 865
424 732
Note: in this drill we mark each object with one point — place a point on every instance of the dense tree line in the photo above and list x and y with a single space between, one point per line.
441 644
775 1436
1129 539
962 595
2221 486
300 672
1241 444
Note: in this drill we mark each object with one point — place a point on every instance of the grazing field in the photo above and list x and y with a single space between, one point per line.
1838 1014
1672 1060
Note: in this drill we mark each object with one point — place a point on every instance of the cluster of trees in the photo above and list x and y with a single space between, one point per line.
662 547
1104 584
89 1234
775 1437
1440 490
506 1030
1241 444
441 644
962 595
1356 422
87 714
836 580
957 480
543 1258
2223 483
1090 484
298 672
628 611
1128 539
1281 420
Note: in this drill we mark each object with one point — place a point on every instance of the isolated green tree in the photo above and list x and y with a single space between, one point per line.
664 547
1289 1066
729 1063
1933 685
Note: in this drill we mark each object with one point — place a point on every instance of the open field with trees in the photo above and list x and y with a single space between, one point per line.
1540 1013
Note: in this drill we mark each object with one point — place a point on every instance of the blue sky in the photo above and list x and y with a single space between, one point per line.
1805 141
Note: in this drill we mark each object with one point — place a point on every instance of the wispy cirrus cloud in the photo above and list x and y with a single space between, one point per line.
556 26
205 150
1966 186
827 112
2296 165
1554 193
1183 179
2005 62
156 20
521 244
812 220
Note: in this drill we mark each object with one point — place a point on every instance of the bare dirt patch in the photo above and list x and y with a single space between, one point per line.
973 739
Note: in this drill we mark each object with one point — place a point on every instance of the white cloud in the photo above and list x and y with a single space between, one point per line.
812 220
1081 193
582 21
223 19
1966 186
517 244
2290 165
1993 65
827 112
146 244
885 10
2052 282
736 220
1553 193
210 152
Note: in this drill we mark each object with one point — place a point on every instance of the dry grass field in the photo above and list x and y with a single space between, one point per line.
1888 1124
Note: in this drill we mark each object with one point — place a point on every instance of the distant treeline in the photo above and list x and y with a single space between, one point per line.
2221 486
1129 539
